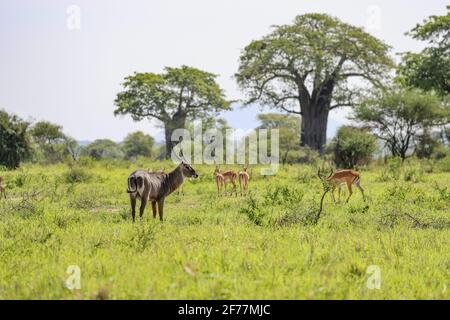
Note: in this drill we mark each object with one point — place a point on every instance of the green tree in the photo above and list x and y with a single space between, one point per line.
429 69
15 144
397 116
353 146
307 69
173 97
289 131
138 144
103 149
50 140
72 147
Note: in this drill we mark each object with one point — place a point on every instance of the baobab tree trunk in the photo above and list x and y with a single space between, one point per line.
178 121
314 127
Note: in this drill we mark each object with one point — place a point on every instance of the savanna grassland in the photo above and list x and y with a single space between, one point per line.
263 246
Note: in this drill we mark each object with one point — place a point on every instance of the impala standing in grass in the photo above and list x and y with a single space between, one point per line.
244 177
339 177
223 178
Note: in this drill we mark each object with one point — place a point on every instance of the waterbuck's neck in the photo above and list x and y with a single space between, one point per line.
173 180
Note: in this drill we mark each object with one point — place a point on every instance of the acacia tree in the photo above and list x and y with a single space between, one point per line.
398 116
305 68
289 131
49 138
173 97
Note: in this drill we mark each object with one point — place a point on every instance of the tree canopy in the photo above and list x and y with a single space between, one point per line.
138 144
14 140
429 69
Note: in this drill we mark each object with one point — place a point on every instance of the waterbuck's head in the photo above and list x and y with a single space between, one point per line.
187 170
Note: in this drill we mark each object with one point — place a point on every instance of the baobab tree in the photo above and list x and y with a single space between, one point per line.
307 69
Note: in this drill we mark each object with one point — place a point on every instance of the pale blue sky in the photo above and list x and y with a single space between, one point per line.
71 77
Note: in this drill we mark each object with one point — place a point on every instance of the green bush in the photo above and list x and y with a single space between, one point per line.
352 146
77 175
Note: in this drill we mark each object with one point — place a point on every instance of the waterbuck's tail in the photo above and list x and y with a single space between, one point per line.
132 179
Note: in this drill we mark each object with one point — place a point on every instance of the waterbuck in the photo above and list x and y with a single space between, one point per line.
155 187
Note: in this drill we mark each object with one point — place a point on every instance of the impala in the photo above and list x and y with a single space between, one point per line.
243 180
222 178
339 177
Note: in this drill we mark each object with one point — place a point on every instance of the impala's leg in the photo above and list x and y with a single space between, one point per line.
240 185
358 185
161 209
154 209
339 193
333 188
350 192
133 206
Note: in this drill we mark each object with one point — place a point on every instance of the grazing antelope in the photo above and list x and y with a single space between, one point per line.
155 187
222 178
339 177
2 188
244 177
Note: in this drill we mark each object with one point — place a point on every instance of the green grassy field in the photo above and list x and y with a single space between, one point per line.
264 246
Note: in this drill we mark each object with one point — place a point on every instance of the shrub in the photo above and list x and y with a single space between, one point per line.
353 146
77 175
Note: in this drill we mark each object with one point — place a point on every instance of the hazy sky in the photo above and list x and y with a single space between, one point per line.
53 71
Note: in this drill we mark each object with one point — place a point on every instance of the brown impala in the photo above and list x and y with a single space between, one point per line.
339 177
222 178
244 177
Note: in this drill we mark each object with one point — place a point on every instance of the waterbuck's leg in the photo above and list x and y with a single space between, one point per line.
154 209
161 209
358 185
133 206
144 200
350 192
